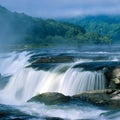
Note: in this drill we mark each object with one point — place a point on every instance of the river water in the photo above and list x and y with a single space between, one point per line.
20 80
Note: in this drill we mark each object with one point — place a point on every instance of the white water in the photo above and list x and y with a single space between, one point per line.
27 82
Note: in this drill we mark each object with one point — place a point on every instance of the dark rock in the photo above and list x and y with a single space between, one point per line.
10 113
50 98
43 66
53 118
48 62
94 66
111 115
115 78
54 59
110 98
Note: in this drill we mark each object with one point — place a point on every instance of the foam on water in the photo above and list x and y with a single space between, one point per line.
24 83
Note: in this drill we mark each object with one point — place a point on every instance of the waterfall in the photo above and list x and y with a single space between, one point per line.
27 82
13 62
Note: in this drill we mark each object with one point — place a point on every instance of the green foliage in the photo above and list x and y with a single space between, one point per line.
107 26
21 29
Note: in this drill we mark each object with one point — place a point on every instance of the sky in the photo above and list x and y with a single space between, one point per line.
63 8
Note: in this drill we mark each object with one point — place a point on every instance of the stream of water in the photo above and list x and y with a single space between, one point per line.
18 83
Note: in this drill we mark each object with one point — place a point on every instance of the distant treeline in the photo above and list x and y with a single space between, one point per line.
107 26
20 29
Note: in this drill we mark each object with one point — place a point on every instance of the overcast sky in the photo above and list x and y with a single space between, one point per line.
63 8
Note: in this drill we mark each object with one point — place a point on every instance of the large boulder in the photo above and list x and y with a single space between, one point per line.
115 78
109 98
50 98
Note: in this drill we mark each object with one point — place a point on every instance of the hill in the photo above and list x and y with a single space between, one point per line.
18 29
102 24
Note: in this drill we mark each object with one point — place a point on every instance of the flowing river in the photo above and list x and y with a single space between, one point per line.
24 74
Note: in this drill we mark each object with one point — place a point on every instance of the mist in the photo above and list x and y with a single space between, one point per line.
18 28
12 32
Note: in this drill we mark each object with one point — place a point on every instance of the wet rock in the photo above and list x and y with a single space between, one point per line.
43 66
94 66
48 62
113 77
109 98
50 98
53 118
111 115
116 75
54 59
10 113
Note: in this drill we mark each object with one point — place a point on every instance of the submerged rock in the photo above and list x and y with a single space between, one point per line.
110 98
50 98
10 113
111 115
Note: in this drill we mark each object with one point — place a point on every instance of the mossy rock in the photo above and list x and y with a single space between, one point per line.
50 98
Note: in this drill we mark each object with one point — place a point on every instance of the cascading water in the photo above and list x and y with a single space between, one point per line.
19 83
24 83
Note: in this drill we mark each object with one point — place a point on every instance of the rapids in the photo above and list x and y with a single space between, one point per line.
20 82
24 82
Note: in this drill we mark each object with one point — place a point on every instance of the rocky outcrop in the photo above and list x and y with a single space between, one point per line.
50 98
94 66
54 59
110 98
115 78
49 62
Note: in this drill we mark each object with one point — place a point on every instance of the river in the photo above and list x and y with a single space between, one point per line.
21 79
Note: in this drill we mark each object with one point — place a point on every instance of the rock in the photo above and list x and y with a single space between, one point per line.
109 97
10 113
114 77
50 98
111 115
54 59
94 66
48 62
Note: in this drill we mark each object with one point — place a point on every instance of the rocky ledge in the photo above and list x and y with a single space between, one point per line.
50 98
109 98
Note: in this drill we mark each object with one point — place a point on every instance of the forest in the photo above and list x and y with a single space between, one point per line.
19 29
106 25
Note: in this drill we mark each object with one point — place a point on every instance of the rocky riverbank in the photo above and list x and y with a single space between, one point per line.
109 98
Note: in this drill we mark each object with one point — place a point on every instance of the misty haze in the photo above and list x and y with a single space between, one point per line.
60 59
